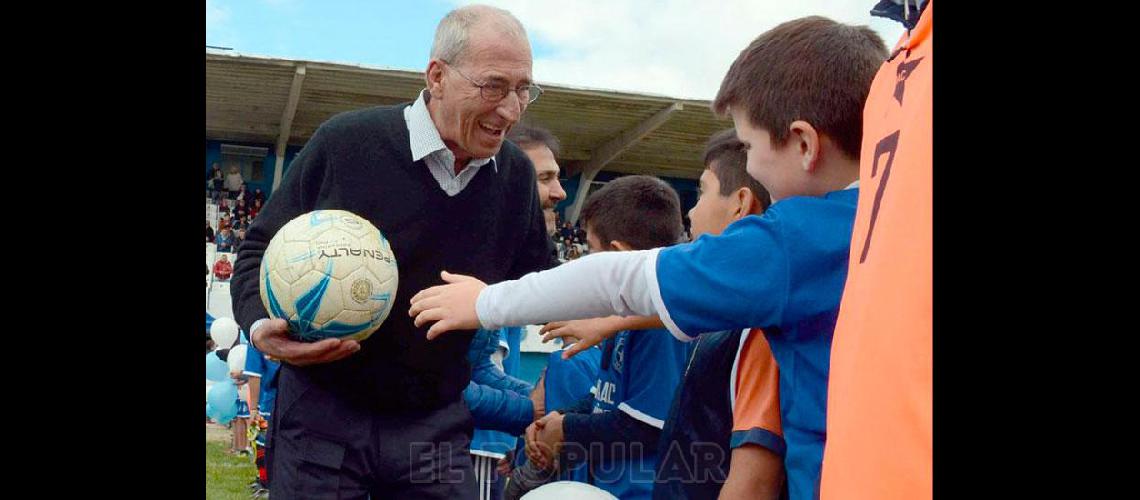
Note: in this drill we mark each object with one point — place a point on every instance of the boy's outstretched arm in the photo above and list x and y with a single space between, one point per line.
603 284
744 277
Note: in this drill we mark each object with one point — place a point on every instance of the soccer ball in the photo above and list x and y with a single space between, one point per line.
329 273
568 489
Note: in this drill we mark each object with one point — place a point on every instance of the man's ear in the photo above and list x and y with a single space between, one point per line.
805 138
433 77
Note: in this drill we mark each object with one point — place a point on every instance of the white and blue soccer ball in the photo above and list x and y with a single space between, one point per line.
329 273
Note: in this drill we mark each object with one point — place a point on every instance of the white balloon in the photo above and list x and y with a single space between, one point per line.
224 331
568 489
236 358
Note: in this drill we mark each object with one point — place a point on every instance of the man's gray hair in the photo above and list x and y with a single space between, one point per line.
451 34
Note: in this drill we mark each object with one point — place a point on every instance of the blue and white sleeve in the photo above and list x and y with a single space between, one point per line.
738 279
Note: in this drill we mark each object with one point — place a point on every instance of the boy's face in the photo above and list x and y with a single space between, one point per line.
713 212
778 169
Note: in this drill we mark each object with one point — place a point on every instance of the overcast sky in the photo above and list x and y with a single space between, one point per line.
677 48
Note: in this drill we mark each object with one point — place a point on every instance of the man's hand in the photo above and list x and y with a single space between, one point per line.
548 438
451 306
272 339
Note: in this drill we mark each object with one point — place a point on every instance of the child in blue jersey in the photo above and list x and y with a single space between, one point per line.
795 95
262 375
614 433
562 384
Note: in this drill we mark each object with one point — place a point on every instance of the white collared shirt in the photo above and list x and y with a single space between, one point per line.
427 145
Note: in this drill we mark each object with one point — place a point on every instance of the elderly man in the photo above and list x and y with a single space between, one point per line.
385 417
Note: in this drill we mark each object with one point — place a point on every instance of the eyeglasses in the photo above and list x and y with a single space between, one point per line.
495 91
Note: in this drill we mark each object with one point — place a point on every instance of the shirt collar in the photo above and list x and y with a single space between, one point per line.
424 137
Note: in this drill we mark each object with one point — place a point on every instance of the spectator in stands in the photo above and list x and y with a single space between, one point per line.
224 206
209 233
258 196
243 195
567 247
255 208
566 231
233 181
239 210
224 222
583 249
215 181
225 240
240 237
223 268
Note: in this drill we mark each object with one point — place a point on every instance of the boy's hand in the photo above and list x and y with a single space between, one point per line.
538 396
451 306
591 332
549 437
503 467
533 449
588 332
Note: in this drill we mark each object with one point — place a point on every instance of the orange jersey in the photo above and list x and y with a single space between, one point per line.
756 394
879 421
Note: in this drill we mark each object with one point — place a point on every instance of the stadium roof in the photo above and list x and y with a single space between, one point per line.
273 100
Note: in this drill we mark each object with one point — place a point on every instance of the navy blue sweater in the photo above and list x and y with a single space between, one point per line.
361 161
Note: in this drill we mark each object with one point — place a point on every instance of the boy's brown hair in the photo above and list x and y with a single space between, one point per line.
726 157
811 69
640 210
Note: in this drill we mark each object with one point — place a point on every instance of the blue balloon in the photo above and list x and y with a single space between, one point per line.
216 369
223 399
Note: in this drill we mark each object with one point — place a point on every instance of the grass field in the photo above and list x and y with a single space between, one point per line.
227 476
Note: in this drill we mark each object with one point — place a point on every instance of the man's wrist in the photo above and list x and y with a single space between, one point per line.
253 329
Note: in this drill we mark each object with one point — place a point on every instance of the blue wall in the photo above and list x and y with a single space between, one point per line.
214 154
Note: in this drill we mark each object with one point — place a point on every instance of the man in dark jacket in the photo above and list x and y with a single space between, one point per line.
385 417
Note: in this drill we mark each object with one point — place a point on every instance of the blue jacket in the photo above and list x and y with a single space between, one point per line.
497 401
